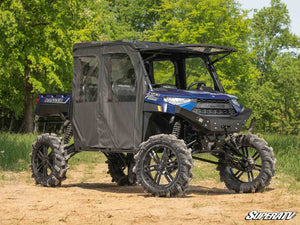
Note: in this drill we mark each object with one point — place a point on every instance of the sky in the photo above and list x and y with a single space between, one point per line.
293 7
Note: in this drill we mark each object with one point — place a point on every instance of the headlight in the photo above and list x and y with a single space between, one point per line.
236 103
177 101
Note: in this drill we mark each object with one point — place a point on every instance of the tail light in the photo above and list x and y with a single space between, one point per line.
37 100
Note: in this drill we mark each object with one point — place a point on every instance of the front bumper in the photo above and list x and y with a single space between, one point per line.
208 124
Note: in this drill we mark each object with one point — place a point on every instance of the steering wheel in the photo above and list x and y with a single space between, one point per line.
199 84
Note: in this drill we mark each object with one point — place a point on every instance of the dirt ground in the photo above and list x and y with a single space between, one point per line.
89 197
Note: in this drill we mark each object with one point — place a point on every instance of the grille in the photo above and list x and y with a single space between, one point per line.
214 107
214 112
213 101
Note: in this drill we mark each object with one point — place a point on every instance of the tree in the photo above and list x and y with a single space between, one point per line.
219 22
36 46
140 14
271 35
286 77
270 38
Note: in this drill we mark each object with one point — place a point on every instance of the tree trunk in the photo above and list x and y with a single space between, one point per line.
21 127
36 126
265 128
251 126
2 124
11 125
28 103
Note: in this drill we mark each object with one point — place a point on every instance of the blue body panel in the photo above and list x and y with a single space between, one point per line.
189 106
157 97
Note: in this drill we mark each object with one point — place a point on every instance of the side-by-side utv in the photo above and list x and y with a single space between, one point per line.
151 108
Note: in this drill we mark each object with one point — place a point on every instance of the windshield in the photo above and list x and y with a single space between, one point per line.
196 71
180 73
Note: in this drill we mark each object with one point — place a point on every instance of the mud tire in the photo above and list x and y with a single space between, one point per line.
184 163
117 167
48 161
267 170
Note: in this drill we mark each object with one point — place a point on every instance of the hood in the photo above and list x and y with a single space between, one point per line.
177 93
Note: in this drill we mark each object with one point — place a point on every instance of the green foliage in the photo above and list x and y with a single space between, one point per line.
195 21
37 39
271 35
286 80
139 14
274 95
218 22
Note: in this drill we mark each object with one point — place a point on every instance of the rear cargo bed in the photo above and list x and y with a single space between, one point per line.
53 105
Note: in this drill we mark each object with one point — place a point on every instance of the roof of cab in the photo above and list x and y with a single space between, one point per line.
149 47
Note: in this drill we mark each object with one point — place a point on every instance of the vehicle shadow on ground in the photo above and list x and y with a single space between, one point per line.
107 187
113 188
201 190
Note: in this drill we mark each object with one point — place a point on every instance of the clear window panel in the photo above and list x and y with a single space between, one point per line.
122 78
196 71
89 79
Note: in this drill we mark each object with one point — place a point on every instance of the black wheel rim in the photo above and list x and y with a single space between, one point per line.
44 161
251 165
160 166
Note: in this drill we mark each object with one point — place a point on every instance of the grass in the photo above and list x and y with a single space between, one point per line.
204 170
15 149
87 157
287 152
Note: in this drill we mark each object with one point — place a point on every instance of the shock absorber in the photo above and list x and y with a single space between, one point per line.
176 129
68 131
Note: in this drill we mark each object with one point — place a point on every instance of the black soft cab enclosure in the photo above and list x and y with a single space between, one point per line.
108 95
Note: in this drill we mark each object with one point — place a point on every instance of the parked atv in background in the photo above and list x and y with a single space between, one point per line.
151 108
